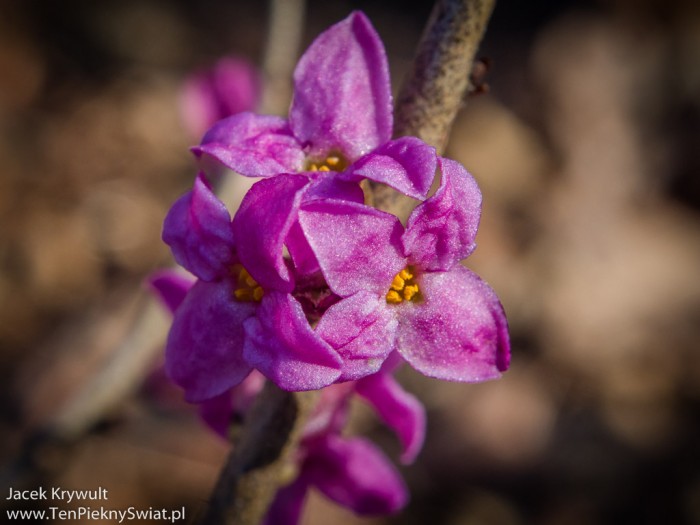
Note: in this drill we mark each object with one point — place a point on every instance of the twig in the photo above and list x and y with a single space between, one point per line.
259 463
434 91
435 88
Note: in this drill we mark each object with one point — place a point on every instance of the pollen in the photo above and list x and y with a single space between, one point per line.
403 288
333 162
247 289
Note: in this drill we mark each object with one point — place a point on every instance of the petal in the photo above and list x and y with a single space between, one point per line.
342 95
322 186
287 505
221 411
253 145
261 226
458 332
441 231
407 164
281 344
355 474
227 88
170 287
217 412
357 246
198 231
204 352
362 330
331 412
401 411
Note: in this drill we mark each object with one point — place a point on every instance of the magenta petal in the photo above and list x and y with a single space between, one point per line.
400 411
357 246
198 231
253 145
441 231
204 352
407 164
217 412
362 330
261 226
287 506
322 186
228 87
170 286
458 332
355 474
281 344
342 98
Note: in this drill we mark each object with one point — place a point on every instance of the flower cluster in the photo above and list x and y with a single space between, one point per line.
309 287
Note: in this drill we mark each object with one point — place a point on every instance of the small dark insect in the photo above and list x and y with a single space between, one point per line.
477 78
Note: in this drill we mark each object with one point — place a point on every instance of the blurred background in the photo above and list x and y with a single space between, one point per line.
587 149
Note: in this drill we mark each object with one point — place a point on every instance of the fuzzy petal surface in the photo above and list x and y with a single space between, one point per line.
204 352
261 225
342 92
253 145
399 410
458 332
442 230
362 330
170 287
406 164
199 233
281 344
322 186
355 474
357 246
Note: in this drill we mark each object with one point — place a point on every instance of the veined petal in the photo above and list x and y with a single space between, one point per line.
357 246
261 226
170 286
458 332
198 231
281 344
401 411
253 145
441 231
362 330
204 352
342 92
406 164
355 474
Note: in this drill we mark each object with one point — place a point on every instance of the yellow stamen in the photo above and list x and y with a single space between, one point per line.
393 297
405 274
403 288
247 290
410 291
333 162
398 283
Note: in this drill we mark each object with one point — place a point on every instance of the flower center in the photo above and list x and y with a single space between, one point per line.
403 287
333 162
247 289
